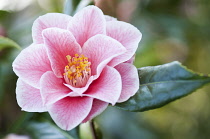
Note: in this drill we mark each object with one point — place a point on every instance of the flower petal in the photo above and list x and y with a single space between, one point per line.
107 87
128 35
79 91
87 23
97 108
130 80
59 44
100 50
29 98
110 18
70 111
31 64
47 21
52 88
131 60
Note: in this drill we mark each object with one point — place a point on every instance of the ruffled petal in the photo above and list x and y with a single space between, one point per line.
31 64
97 108
59 44
29 98
100 50
52 88
87 23
107 87
128 35
70 111
130 80
47 21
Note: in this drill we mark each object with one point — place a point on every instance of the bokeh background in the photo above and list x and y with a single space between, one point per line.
173 30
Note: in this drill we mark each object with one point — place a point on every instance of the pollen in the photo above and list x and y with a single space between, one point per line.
77 71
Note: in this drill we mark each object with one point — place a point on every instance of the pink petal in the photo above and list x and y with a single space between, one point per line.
110 18
87 23
31 64
107 87
59 44
47 21
97 108
100 50
70 111
79 91
131 60
52 88
128 35
130 80
29 98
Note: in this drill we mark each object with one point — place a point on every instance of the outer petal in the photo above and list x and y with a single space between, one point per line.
47 21
100 50
59 44
87 23
130 80
97 108
107 87
70 111
29 98
31 64
128 35
110 18
52 88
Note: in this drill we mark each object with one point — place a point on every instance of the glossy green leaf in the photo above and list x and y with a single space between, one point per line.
162 84
7 43
46 130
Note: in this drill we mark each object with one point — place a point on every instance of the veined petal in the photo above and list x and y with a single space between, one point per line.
59 44
31 64
87 23
128 35
52 88
70 111
97 108
47 21
130 80
107 87
100 50
29 98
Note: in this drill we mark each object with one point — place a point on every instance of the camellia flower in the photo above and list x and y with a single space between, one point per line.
76 66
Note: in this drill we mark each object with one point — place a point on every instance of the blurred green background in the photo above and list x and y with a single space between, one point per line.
172 30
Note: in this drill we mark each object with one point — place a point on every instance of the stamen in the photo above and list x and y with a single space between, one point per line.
78 70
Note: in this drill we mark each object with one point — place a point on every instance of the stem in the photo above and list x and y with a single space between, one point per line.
93 130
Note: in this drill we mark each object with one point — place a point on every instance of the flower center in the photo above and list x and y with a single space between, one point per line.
78 70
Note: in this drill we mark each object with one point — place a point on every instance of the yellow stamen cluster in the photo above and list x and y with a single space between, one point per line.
78 68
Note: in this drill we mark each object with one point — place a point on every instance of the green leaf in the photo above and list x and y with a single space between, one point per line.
6 43
162 84
46 130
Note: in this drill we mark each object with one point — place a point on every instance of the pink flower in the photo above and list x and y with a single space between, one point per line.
76 66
